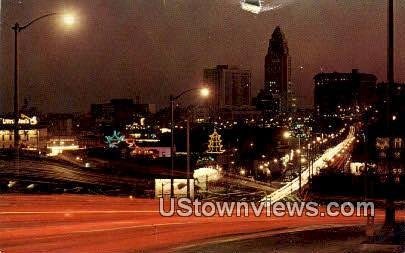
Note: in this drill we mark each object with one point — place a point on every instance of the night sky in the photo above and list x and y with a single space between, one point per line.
125 48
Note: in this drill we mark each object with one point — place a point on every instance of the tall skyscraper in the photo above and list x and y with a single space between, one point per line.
231 87
278 72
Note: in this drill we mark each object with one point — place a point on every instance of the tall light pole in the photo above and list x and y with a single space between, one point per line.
68 20
287 135
299 159
390 206
188 157
204 92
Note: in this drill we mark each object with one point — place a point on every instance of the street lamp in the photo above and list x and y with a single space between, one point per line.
287 135
204 92
390 205
67 20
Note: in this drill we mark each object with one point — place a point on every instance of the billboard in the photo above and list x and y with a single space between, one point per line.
179 185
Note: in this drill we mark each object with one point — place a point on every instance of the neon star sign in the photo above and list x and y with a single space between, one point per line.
114 139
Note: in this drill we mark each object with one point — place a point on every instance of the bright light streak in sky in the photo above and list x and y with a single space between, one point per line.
259 6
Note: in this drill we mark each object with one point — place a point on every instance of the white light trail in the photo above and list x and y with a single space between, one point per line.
293 186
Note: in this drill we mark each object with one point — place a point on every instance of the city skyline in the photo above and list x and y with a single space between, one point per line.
238 160
224 34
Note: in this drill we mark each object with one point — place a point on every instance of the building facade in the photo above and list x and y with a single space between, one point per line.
277 79
231 87
338 94
31 134
60 124
120 112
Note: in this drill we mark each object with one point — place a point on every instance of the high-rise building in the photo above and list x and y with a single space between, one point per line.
231 87
343 93
278 73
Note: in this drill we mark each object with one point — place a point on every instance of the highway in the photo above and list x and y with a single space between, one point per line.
81 223
245 182
55 171
329 156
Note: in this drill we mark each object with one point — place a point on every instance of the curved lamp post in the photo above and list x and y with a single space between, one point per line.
68 20
204 92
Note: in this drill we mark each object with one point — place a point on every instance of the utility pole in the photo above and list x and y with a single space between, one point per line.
172 152
204 92
390 206
188 158
16 29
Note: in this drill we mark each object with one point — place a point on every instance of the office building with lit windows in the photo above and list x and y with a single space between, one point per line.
231 87
277 96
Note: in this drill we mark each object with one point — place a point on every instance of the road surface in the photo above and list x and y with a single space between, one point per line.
58 177
55 171
81 223
329 156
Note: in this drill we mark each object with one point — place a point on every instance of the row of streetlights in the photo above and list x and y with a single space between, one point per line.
312 149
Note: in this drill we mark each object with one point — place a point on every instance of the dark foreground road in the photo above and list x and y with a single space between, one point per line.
331 240
77 223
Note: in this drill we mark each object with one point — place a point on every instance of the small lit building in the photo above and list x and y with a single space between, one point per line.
56 146
32 135
151 151
357 168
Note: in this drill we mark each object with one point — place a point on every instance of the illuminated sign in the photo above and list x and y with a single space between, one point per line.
114 139
24 120
163 187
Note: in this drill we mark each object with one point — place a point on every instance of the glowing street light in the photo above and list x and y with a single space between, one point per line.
68 20
287 135
204 92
